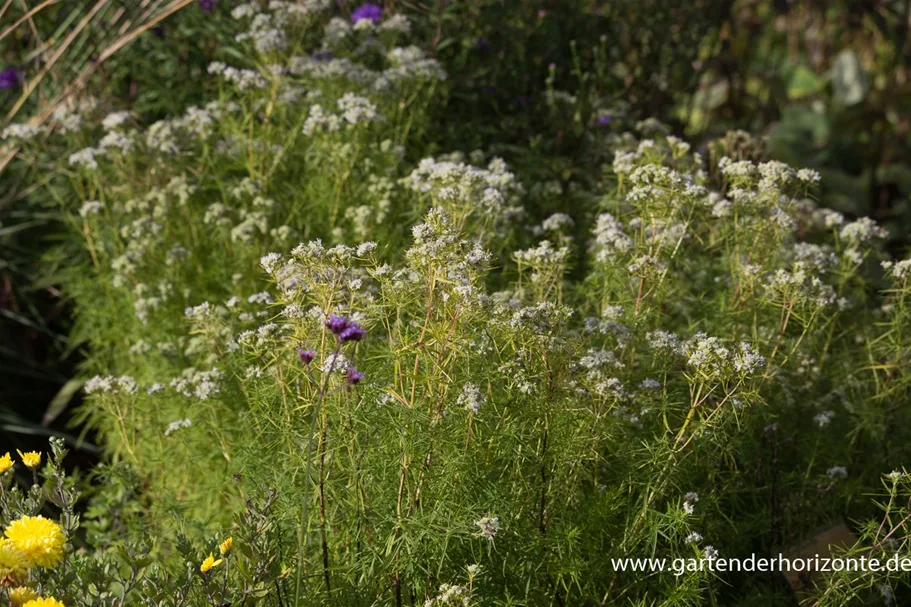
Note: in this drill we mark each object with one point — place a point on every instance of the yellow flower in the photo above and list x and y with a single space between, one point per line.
40 539
208 563
225 547
6 464
13 563
32 459
21 595
48 602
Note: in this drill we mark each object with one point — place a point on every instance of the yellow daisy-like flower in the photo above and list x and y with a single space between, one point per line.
225 547
22 595
32 459
13 562
48 602
40 539
209 563
6 463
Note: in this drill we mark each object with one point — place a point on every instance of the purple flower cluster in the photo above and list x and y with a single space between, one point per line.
10 77
207 6
369 12
306 356
344 329
354 376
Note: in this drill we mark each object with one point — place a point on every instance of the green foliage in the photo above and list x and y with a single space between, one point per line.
49 50
395 375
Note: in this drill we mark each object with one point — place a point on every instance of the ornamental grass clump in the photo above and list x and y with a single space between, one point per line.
402 389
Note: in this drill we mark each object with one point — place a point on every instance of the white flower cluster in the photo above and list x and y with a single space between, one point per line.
823 418
489 526
610 238
406 65
596 358
20 132
815 257
266 34
91 207
660 233
411 63
438 245
827 218
543 255
115 120
898 270
70 118
689 502
799 286
263 336
356 109
335 362
450 595
544 318
108 384
710 356
178 425
318 121
663 341
836 472
471 398
201 385
200 313
243 79
558 222
664 186
455 183
85 158
863 231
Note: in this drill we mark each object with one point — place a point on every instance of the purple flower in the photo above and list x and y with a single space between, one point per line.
346 330
605 119
368 11
9 78
322 56
354 376
336 323
306 356
207 6
353 332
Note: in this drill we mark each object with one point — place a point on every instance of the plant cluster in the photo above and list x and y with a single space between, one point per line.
333 364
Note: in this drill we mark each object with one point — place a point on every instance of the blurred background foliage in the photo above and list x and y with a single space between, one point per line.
540 82
828 83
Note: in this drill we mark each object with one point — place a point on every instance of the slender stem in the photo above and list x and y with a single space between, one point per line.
306 502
